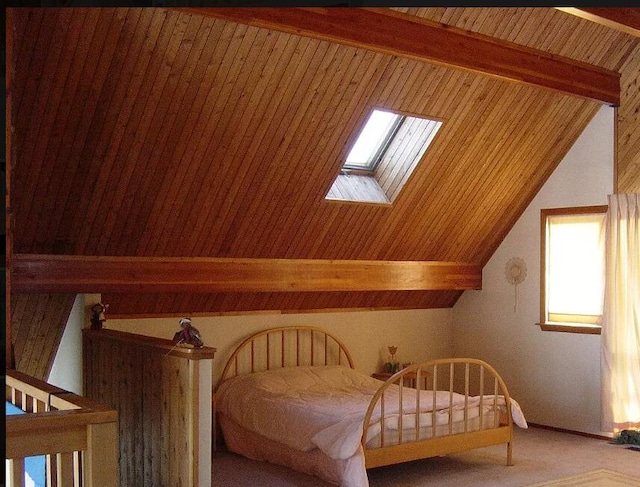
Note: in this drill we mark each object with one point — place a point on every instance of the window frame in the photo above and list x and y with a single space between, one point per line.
382 181
376 157
583 323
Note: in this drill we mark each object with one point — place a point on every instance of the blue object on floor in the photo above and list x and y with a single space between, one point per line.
34 466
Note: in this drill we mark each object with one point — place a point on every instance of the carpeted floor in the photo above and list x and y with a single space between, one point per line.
540 455
596 478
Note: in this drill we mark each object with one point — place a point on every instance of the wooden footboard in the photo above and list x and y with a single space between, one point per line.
479 420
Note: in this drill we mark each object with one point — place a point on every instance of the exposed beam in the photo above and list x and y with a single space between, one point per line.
624 19
391 32
98 274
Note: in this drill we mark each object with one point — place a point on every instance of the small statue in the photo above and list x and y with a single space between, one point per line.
392 365
98 317
188 335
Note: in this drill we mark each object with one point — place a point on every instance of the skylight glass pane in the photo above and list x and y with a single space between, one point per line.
374 135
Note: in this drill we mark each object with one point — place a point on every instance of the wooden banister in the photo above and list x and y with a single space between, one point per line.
70 427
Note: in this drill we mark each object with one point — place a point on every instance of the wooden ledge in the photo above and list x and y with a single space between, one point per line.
161 344
571 328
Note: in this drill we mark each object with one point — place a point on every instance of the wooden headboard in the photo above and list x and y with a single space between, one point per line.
287 346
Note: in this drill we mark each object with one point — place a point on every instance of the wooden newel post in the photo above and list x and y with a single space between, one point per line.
101 457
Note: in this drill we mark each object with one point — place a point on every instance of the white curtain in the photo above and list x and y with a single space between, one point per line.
621 315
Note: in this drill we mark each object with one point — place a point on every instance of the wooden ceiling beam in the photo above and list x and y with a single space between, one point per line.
620 18
390 32
99 274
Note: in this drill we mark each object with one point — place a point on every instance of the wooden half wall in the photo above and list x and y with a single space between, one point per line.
163 395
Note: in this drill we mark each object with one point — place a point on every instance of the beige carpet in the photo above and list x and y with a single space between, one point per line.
596 478
539 455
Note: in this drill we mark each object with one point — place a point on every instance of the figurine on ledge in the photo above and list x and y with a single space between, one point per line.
188 335
98 317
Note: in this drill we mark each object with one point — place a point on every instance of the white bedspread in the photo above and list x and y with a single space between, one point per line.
324 407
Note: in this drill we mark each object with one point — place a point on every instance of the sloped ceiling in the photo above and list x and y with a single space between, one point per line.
155 132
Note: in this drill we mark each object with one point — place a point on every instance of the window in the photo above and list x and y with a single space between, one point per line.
383 157
373 140
572 269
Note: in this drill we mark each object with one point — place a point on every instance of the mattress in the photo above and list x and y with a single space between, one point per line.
256 447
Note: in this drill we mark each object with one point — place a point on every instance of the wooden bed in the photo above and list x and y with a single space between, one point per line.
427 409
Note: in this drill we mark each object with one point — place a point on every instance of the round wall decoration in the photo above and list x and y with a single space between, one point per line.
515 272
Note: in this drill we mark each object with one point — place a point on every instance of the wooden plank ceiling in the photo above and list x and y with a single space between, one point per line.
163 133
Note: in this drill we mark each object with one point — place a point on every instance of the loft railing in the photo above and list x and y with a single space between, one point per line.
77 436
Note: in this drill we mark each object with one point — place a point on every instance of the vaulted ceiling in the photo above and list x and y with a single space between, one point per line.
153 132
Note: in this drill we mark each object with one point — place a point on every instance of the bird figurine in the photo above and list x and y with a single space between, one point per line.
98 317
188 334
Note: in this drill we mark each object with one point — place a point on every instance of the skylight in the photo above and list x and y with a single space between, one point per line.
376 134
383 157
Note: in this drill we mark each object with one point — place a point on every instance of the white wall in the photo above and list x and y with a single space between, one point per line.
66 371
554 376
418 334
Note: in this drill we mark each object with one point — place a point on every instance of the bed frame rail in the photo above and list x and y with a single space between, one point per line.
466 376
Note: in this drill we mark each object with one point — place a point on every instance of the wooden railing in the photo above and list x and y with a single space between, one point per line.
79 437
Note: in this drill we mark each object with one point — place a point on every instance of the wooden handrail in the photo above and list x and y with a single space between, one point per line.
70 426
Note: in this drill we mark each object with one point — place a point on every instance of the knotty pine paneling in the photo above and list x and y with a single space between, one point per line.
156 391
37 325
628 147
156 132
192 305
